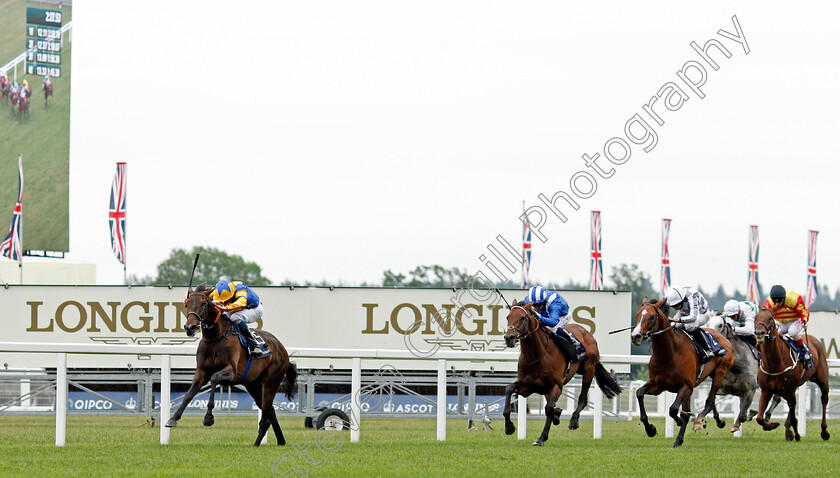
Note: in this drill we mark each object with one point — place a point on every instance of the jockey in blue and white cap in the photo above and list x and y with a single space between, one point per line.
552 309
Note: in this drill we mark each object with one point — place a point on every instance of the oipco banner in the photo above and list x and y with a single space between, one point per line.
421 320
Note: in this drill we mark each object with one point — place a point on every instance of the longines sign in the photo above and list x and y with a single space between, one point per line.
422 320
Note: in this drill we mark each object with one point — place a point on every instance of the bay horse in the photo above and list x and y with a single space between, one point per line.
742 379
542 368
221 360
48 91
675 367
780 372
23 108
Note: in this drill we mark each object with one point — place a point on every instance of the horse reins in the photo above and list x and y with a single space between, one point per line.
201 320
659 314
528 325
794 359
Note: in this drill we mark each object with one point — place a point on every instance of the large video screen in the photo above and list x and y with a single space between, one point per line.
35 51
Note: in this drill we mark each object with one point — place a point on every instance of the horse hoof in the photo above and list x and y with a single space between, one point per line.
651 430
771 426
797 437
281 442
698 426
734 429
209 421
509 429
721 423
825 435
555 419
539 443
171 423
677 444
789 435
574 425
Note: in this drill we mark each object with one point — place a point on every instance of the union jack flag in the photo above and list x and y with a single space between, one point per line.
753 293
526 249
666 258
596 275
116 213
811 294
12 247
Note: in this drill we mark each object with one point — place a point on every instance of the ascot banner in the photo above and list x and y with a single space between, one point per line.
421 320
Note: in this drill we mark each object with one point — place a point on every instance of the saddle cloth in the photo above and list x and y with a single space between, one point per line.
260 341
715 346
797 349
580 350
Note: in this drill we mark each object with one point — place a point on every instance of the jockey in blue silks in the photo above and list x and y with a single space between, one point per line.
552 311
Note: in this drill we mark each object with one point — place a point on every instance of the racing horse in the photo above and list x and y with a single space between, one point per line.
675 367
222 360
781 373
5 87
23 107
48 91
741 380
543 368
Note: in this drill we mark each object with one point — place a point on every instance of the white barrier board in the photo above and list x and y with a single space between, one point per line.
422 320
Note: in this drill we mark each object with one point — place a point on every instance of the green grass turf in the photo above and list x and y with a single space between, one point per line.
106 446
43 139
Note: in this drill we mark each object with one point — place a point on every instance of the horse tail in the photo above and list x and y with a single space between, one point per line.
606 382
289 385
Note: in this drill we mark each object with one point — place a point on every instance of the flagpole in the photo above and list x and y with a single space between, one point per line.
20 219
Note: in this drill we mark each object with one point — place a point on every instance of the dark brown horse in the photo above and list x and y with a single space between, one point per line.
542 368
48 91
675 367
781 373
221 360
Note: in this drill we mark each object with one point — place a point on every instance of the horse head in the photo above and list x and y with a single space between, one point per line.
651 319
719 323
765 326
519 323
200 310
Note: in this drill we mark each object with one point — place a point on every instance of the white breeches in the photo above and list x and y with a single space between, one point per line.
248 315
793 328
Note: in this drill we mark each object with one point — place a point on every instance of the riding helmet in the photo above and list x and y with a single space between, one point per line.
224 290
536 295
777 293
673 296
731 308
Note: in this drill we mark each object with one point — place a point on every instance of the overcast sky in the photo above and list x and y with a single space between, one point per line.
334 140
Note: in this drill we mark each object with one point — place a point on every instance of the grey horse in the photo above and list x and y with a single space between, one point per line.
742 379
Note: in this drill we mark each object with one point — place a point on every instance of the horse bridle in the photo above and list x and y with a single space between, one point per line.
769 328
659 315
527 324
205 324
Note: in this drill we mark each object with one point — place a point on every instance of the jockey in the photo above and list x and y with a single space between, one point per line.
47 81
791 317
14 87
242 306
552 311
741 317
696 315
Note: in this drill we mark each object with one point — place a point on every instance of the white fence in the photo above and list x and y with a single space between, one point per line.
356 355
12 65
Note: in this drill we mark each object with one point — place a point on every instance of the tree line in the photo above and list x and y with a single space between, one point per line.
215 263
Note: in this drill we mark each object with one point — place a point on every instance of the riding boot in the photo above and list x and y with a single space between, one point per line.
805 356
566 347
704 347
254 349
